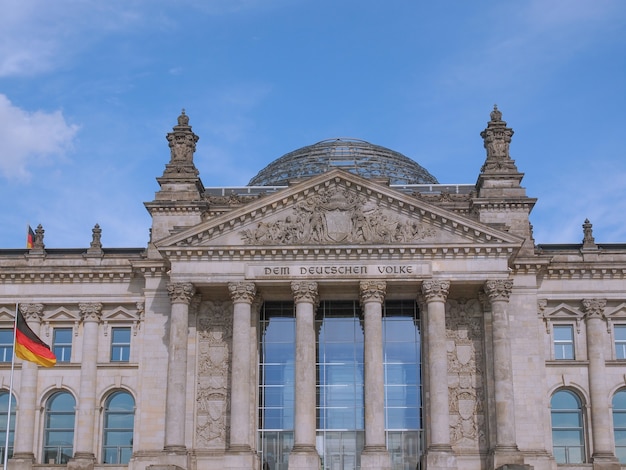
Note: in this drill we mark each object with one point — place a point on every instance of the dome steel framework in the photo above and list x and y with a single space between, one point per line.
353 155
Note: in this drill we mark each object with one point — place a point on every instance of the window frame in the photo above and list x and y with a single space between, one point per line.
63 347
110 431
4 395
120 346
559 343
581 428
48 412
6 349
619 343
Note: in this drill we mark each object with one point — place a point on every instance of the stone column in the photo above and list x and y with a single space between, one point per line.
375 455
505 450
175 400
242 295
439 454
25 419
304 456
90 314
597 337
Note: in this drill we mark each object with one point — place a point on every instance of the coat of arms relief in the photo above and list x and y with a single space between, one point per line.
338 215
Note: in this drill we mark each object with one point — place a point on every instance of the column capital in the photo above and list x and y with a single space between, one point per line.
498 289
305 291
594 308
242 291
373 291
435 290
181 292
90 311
31 311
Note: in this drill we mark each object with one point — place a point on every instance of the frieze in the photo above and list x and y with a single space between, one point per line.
338 215
338 270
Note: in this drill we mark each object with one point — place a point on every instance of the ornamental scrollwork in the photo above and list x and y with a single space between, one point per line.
498 289
242 291
305 291
90 311
435 290
594 308
31 311
373 291
181 292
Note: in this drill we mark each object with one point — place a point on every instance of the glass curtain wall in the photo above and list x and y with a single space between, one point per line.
340 392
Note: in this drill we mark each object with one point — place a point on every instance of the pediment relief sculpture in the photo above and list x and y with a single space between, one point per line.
337 215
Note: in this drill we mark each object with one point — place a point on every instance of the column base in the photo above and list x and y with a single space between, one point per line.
605 461
22 461
439 458
375 458
241 458
82 461
515 466
304 458
503 455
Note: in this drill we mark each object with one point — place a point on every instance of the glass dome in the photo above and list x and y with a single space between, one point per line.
353 155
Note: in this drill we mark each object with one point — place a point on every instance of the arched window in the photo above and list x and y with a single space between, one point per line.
4 407
619 424
58 446
568 438
119 417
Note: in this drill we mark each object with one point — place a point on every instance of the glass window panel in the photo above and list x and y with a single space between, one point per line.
620 438
619 419
564 400
575 454
278 352
567 437
64 420
566 420
400 352
402 330
620 453
563 333
620 332
118 438
119 420
619 400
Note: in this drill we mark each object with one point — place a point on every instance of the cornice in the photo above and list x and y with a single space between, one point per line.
276 253
585 272
36 275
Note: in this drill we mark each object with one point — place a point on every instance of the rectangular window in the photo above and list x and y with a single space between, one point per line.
620 341
62 344
6 345
563 342
120 345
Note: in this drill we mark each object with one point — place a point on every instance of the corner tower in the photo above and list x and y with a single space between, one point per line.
501 200
179 203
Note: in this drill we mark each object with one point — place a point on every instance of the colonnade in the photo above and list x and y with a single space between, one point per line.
433 295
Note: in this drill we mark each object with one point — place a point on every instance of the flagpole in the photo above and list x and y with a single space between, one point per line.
6 442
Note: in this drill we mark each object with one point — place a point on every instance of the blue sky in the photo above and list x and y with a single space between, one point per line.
88 90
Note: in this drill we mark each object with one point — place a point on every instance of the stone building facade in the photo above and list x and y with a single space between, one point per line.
344 311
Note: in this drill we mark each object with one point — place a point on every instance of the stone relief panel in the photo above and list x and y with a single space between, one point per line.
464 331
214 342
338 215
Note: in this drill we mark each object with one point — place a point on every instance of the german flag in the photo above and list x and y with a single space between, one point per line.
29 346
30 238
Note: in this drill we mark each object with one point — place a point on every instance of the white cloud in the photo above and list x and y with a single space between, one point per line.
31 138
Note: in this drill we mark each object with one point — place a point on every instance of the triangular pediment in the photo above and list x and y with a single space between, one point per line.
338 209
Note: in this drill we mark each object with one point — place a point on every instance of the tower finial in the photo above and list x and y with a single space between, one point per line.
496 114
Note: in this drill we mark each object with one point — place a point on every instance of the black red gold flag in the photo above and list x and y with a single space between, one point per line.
29 346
